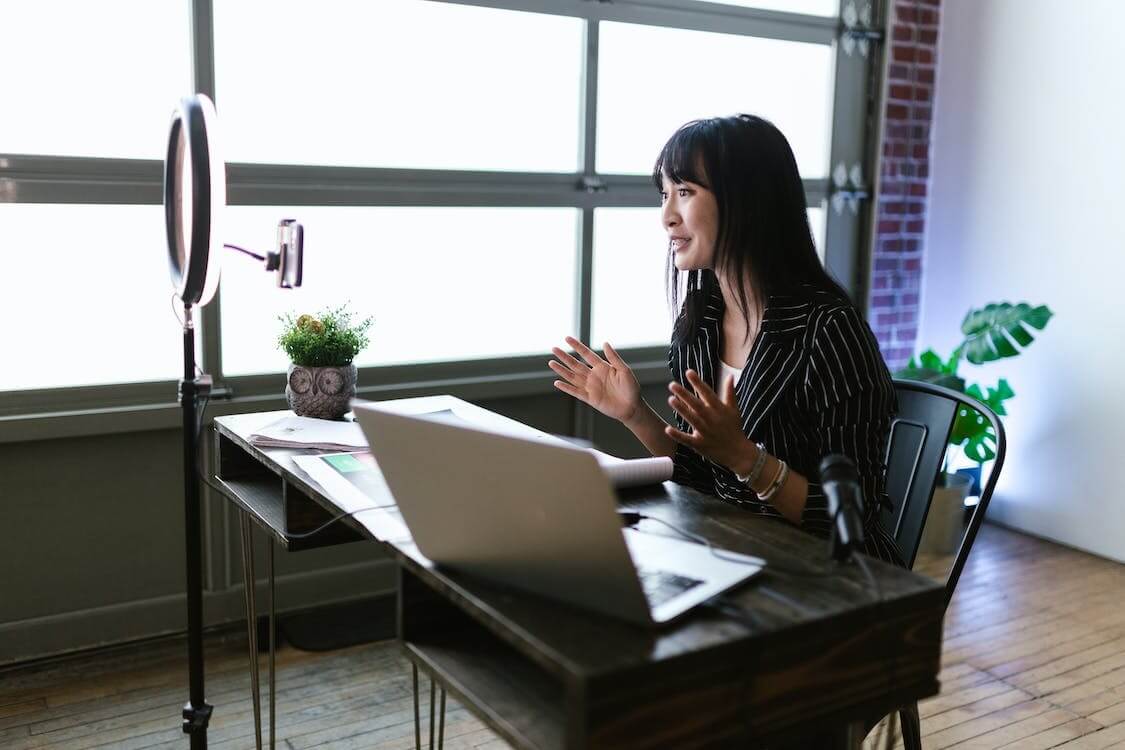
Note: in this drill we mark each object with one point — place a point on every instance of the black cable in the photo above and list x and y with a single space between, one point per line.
199 419
200 412
175 310
330 521
244 250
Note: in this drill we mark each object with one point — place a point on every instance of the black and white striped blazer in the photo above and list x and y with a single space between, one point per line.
814 383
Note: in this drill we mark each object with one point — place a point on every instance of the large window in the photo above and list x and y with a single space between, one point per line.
398 83
474 175
80 80
440 283
630 301
81 306
654 79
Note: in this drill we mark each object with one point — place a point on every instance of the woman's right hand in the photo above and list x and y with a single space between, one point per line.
608 385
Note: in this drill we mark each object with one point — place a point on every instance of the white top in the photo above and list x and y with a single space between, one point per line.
726 371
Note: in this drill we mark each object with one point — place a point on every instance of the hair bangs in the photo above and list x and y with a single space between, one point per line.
681 158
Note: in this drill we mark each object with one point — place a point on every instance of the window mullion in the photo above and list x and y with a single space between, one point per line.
853 123
203 77
698 16
583 417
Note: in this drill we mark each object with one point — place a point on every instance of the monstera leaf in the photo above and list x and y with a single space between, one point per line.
995 331
972 430
1000 330
929 368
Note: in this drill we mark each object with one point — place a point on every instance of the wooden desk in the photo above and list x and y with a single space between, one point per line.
815 651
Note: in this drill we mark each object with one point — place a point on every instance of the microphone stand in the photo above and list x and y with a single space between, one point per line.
841 550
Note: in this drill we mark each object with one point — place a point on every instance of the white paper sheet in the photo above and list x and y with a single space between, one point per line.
306 432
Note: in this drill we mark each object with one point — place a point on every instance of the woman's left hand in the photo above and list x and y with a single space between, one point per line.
715 419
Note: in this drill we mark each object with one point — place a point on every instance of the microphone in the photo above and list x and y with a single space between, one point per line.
840 481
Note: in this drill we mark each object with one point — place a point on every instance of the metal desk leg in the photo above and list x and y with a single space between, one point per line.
273 648
433 692
248 581
441 722
417 714
417 718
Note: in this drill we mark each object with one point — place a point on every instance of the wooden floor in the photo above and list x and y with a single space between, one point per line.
1034 658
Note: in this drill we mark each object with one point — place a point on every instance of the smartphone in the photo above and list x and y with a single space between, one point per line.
291 249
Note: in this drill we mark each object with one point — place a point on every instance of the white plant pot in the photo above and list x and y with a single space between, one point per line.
945 523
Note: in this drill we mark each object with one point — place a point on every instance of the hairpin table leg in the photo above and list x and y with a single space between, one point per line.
433 692
273 648
441 722
248 581
417 718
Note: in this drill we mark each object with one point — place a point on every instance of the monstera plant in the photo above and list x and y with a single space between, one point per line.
995 331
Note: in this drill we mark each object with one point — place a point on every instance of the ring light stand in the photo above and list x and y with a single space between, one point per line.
194 196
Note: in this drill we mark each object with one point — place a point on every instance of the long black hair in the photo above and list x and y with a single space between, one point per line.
763 242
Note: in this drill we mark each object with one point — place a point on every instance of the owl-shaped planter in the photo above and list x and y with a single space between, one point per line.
322 392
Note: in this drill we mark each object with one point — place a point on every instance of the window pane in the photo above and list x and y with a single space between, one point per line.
398 83
652 80
630 258
441 283
809 7
88 298
816 224
630 305
89 82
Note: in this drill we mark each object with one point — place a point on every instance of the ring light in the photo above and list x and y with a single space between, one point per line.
194 195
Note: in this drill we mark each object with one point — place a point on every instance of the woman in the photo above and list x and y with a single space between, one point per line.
773 366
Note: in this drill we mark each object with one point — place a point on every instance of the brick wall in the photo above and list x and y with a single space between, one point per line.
896 268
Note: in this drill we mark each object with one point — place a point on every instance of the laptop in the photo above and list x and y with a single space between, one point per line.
538 516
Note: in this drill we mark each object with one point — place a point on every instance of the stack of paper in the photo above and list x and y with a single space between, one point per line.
306 432
634 472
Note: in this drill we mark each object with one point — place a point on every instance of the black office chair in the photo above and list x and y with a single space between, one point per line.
915 451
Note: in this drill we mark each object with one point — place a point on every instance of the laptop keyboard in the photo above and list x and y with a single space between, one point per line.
660 585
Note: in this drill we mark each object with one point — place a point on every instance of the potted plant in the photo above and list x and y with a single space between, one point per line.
322 375
995 331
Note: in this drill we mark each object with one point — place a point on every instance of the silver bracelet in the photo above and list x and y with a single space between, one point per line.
777 483
756 469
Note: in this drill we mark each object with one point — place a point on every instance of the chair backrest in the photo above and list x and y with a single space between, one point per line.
915 451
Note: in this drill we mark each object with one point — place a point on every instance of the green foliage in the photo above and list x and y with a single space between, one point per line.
995 331
328 340
929 368
971 430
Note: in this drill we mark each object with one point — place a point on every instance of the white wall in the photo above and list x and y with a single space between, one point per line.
1028 203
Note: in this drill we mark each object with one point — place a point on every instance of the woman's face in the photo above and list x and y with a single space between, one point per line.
690 215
